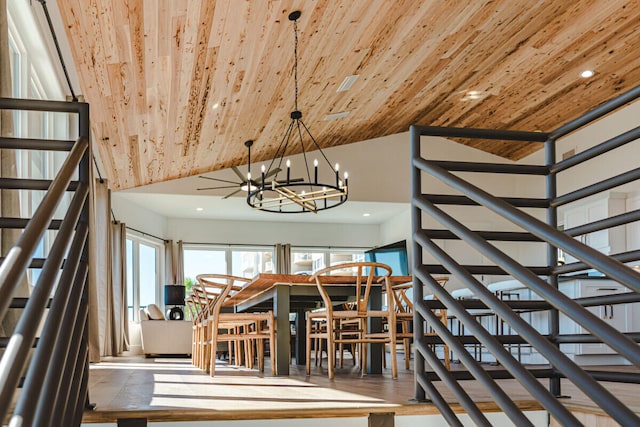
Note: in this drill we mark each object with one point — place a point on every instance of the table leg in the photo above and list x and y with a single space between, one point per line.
374 361
283 331
301 334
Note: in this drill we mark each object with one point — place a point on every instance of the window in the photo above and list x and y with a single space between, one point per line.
201 260
249 263
144 277
243 261
34 76
310 260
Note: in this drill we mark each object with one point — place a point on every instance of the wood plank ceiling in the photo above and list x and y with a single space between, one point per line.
177 86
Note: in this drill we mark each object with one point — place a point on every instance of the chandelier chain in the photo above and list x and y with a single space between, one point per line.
295 63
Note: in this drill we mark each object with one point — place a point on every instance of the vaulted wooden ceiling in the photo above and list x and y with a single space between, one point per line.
177 86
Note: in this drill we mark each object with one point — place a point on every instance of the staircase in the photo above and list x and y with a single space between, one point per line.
522 216
44 364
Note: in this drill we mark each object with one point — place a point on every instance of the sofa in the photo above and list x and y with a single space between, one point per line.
161 336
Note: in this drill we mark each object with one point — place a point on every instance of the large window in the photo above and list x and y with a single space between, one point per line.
34 76
310 260
144 274
243 261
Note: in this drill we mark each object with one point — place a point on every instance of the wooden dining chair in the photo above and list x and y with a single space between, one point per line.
213 290
316 323
193 311
360 313
404 317
250 329
199 299
441 315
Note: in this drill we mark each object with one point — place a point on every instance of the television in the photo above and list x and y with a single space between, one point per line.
394 255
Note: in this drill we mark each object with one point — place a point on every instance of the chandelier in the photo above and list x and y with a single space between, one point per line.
324 188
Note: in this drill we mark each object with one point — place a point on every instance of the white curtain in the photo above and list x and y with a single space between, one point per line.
108 311
9 201
98 268
178 257
169 263
283 258
174 263
118 341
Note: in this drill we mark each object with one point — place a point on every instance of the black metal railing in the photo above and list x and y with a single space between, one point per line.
44 370
543 285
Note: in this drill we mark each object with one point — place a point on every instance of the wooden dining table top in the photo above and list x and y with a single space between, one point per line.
265 282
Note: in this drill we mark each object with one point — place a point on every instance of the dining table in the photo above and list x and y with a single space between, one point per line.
298 293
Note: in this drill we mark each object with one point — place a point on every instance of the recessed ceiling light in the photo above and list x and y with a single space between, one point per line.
366 214
587 73
473 95
199 209
216 105
337 115
347 83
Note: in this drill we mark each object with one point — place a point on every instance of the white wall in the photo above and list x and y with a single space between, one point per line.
269 233
396 229
138 217
615 162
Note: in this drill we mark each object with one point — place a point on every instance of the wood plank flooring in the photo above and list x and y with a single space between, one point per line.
171 389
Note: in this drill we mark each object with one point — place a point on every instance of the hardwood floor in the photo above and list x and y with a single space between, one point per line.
171 389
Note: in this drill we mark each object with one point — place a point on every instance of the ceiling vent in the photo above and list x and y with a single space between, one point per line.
337 115
347 83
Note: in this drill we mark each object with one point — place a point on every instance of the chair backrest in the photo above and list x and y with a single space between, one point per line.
199 299
402 301
364 279
191 305
218 287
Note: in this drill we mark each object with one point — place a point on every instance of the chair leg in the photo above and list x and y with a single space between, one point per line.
407 354
308 350
214 346
331 355
447 357
272 343
364 349
248 353
260 354
204 346
407 345
394 359
384 355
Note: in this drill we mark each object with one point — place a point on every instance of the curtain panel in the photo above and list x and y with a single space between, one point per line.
173 262
283 258
108 307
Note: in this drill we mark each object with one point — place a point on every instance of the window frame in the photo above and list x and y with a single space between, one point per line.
228 250
137 240
326 251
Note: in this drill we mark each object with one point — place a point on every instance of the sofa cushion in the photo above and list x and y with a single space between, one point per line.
154 312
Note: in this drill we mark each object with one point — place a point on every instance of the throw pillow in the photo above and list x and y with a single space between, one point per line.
154 312
143 314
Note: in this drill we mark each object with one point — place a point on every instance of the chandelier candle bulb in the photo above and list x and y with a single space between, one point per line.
288 170
346 179
315 170
262 169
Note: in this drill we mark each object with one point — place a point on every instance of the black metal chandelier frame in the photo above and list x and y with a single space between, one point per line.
295 195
